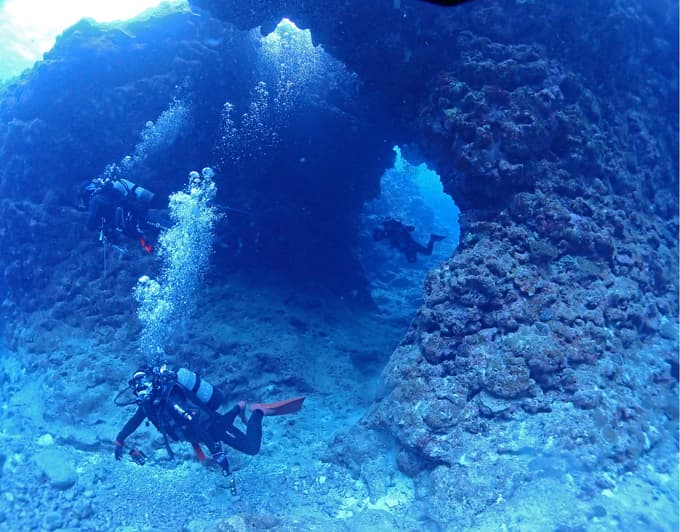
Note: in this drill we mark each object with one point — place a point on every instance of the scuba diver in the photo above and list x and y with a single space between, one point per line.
183 407
116 206
401 238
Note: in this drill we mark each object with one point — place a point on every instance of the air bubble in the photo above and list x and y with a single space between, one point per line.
185 249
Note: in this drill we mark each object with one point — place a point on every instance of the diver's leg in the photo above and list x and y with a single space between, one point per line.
248 443
157 218
119 219
413 248
220 458
222 422
430 244
96 212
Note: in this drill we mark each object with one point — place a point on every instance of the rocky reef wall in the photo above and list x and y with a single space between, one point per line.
536 334
89 103
547 344
61 123
551 334
566 270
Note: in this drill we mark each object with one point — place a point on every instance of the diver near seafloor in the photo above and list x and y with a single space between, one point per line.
183 407
116 206
400 236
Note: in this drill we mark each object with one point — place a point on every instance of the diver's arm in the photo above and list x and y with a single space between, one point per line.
131 426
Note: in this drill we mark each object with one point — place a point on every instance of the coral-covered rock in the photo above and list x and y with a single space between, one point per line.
557 273
547 345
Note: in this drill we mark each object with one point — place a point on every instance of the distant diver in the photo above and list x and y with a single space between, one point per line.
400 237
183 407
116 206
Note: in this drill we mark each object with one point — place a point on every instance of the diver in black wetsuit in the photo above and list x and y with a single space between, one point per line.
400 237
183 407
115 206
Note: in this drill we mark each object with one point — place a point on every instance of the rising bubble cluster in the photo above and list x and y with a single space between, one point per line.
185 249
153 138
294 76
250 135
292 63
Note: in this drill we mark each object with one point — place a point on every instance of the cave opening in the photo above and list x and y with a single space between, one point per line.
412 194
306 165
298 157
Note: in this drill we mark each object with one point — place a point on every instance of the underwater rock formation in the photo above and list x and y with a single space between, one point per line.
567 181
566 269
526 359
85 106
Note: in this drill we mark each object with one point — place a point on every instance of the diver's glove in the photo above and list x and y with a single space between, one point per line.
118 453
220 458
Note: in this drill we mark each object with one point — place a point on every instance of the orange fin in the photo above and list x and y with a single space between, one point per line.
287 406
199 452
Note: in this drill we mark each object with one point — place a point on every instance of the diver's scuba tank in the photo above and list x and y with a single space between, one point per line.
131 190
203 390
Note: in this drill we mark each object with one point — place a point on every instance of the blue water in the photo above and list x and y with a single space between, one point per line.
521 375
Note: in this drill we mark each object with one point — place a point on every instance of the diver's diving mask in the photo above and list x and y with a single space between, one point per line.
142 384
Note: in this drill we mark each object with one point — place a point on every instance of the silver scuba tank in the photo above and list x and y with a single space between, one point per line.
203 390
142 195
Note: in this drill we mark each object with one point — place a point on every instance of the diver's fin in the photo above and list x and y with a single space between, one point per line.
287 406
199 452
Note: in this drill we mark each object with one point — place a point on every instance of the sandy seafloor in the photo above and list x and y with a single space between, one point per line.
259 332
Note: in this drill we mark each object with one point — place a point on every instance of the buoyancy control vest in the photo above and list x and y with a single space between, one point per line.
187 404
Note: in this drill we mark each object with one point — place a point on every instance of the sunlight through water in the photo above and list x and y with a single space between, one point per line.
28 28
